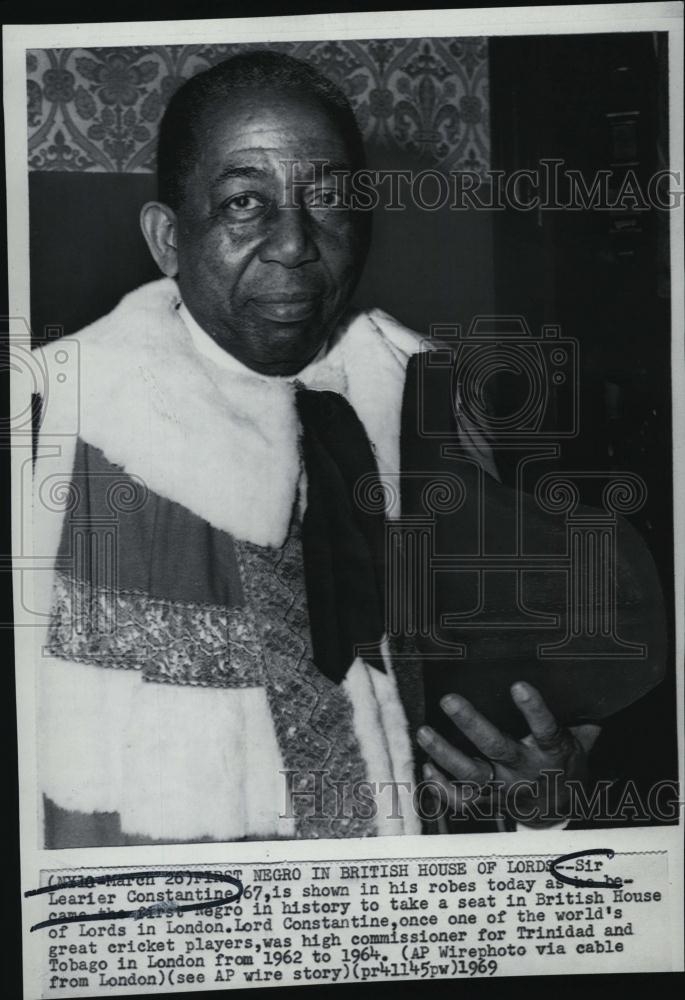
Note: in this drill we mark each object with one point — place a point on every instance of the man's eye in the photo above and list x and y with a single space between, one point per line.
326 198
243 206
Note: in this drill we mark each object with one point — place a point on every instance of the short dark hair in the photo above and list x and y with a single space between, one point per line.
260 69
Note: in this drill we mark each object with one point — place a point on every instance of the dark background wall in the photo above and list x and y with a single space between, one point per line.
600 102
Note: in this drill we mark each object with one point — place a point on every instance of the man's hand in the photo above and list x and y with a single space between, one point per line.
516 767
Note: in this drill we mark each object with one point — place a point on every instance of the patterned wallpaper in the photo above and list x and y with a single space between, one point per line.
98 109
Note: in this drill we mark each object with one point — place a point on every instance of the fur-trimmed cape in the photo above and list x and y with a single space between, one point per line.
145 393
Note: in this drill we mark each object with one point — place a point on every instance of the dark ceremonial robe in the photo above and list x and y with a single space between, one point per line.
531 584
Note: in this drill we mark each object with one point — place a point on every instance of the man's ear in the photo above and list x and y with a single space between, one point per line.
159 225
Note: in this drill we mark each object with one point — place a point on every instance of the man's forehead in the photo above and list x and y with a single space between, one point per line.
261 130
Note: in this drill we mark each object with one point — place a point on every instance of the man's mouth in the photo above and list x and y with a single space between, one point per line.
286 307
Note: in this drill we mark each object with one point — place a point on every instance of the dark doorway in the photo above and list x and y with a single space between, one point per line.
598 103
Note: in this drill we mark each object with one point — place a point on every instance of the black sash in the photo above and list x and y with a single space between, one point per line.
343 541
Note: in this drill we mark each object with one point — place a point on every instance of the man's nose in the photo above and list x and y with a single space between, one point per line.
290 241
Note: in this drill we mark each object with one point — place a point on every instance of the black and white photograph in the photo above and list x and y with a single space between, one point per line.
346 363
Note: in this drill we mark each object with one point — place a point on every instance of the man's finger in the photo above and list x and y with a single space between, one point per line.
454 794
456 763
444 788
544 728
490 741
437 796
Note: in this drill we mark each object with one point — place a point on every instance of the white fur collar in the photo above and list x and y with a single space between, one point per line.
222 441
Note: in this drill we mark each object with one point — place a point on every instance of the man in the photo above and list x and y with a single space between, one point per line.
215 665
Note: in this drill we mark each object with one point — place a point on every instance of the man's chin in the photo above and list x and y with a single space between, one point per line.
288 356
290 346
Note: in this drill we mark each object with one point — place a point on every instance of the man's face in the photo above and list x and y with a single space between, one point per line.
267 273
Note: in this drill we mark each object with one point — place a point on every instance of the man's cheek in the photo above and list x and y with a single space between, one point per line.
350 272
223 260
340 253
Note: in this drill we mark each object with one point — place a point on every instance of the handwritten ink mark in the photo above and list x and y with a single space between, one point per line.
156 909
586 883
